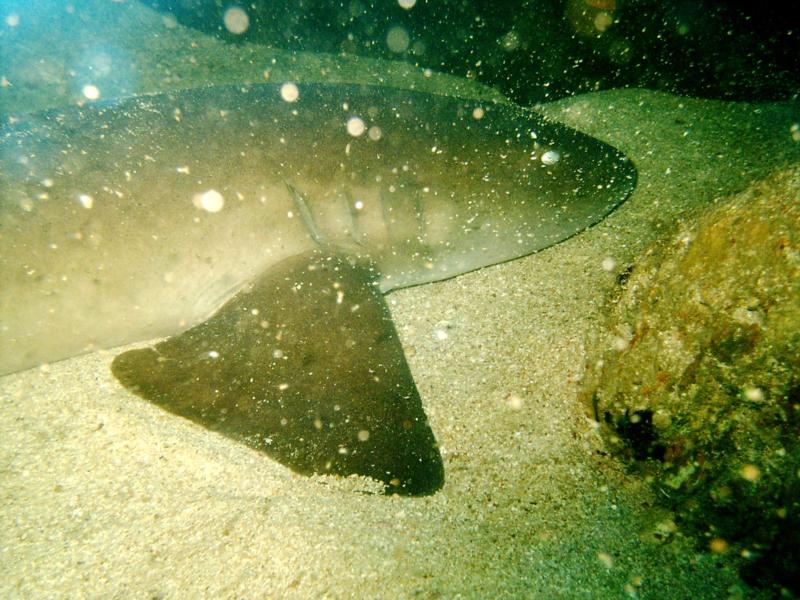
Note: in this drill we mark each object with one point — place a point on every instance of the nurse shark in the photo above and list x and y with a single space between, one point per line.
257 227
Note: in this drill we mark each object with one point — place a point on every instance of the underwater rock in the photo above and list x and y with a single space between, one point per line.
698 378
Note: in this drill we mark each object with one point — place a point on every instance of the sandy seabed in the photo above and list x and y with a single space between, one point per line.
104 495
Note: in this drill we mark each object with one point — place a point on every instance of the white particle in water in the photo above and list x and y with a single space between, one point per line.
209 201
514 401
619 343
236 20
355 126
754 394
290 92
90 92
397 39
551 157
86 200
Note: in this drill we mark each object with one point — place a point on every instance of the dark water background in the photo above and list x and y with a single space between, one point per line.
539 50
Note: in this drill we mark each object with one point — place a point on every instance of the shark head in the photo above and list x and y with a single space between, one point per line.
439 186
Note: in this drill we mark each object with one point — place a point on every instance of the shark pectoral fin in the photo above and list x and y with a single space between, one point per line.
305 365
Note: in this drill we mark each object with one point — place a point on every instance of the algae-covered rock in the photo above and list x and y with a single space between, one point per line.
698 379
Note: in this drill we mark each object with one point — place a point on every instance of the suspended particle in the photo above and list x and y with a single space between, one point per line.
209 201
289 92
355 126
90 92
397 39
236 20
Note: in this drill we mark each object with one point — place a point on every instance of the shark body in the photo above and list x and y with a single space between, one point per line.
141 218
